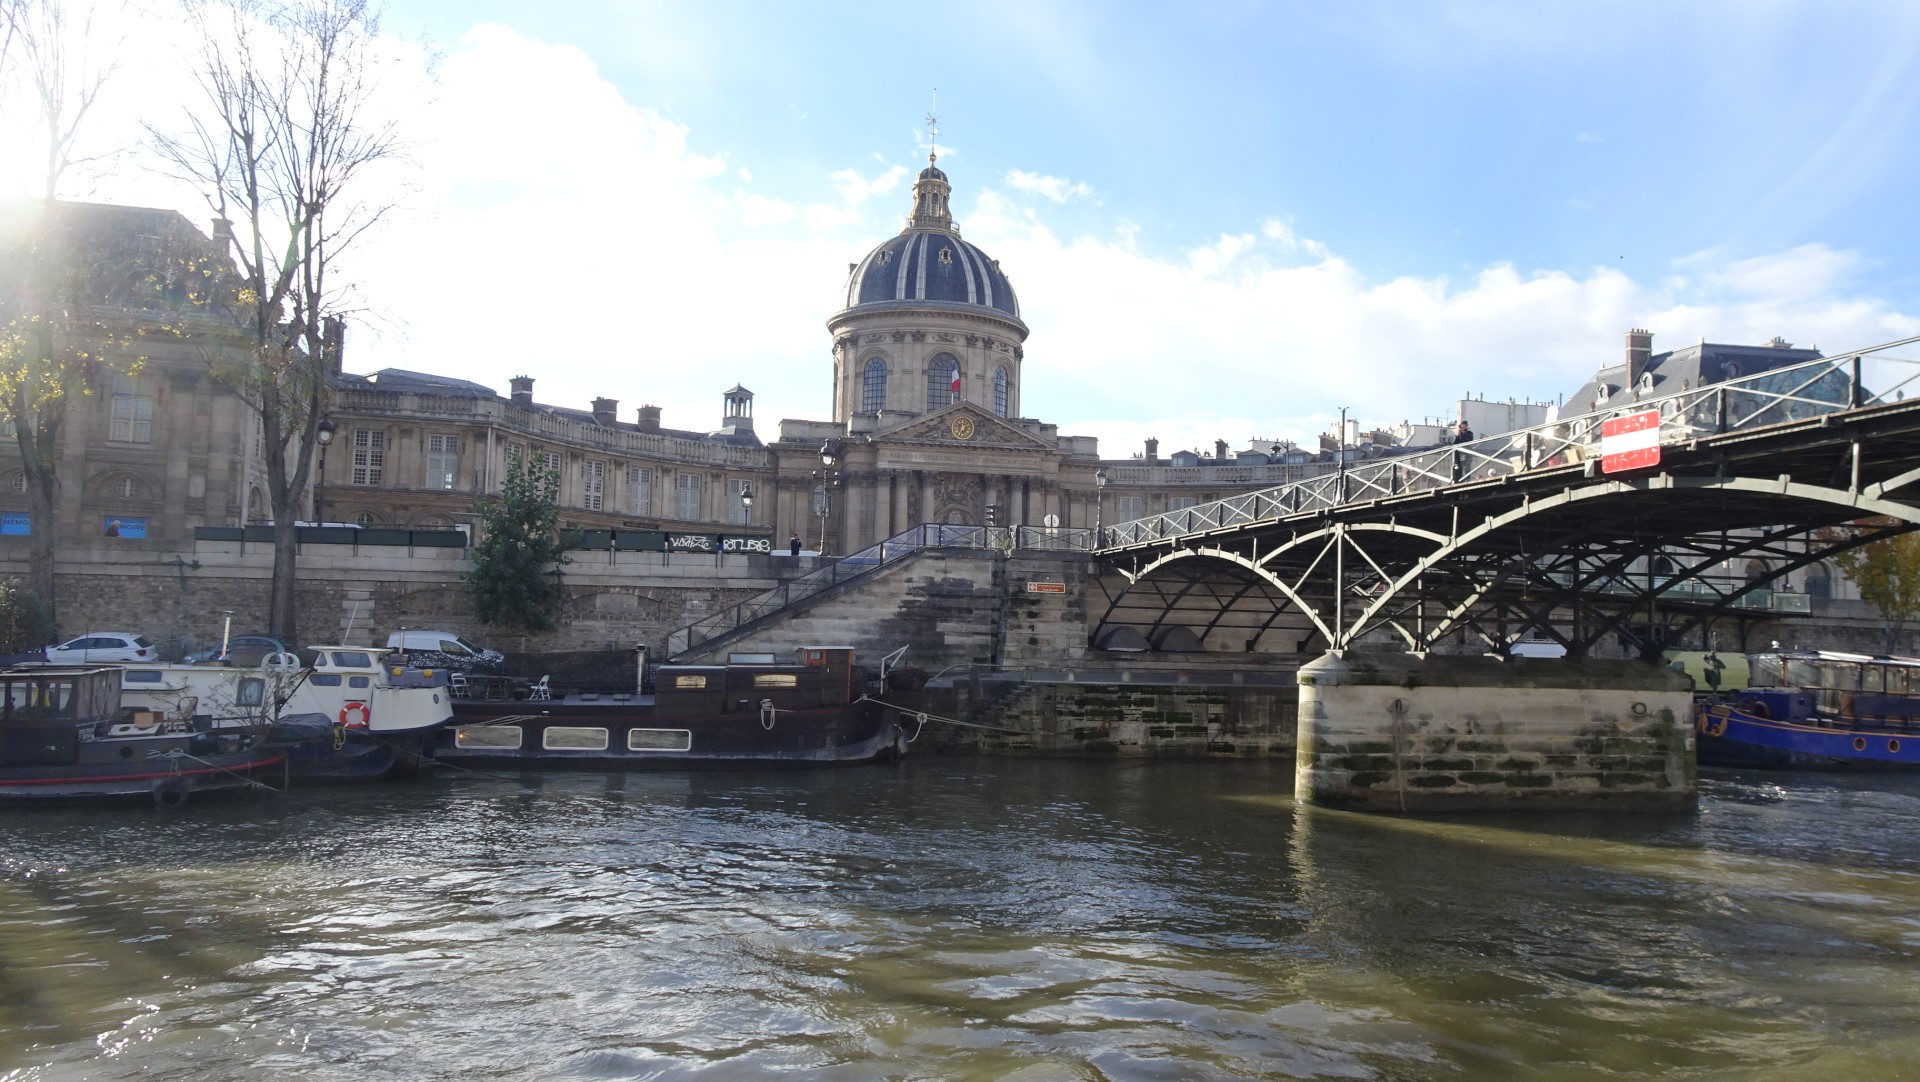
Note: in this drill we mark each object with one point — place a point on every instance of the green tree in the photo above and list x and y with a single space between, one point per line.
52 347
1887 574
24 622
513 582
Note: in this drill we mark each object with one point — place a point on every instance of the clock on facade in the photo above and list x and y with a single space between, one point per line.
961 427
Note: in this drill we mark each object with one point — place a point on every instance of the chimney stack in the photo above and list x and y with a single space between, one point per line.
522 387
222 234
334 332
604 410
1639 354
648 418
1219 450
1153 450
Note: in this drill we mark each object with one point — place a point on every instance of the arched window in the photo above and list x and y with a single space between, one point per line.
940 380
365 518
1819 582
873 387
1000 390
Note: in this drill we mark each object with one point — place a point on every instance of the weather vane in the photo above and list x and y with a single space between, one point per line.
933 128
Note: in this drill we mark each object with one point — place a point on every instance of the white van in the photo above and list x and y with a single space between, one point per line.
444 649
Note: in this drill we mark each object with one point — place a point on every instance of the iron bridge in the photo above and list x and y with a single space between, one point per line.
1523 535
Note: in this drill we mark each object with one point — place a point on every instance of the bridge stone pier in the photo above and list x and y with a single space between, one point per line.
1398 732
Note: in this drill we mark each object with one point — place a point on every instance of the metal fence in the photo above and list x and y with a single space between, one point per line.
1809 389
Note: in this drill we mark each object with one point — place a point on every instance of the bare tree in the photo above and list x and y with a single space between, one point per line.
279 143
49 347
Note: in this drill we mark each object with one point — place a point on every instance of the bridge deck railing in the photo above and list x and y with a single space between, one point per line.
1795 392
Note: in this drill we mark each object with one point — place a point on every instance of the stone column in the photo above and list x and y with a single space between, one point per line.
1381 731
924 482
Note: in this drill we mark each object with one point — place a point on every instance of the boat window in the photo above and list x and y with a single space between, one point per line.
1872 678
659 739
1801 673
1897 679
695 680
453 647
574 738
251 692
325 679
141 676
1836 674
352 659
775 680
40 699
487 736
359 681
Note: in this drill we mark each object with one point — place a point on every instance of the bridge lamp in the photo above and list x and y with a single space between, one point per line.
746 498
1099 498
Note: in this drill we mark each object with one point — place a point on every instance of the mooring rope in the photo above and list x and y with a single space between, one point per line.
923 717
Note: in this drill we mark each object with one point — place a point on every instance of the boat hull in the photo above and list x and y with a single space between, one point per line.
614 737
319 750
168 785
1728 735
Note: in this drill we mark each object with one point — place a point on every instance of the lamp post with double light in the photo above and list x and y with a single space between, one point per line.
323 435
825 479
1099 499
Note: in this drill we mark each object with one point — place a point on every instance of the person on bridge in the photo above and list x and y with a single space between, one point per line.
1461 433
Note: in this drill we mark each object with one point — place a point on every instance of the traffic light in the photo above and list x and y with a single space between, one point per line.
993 515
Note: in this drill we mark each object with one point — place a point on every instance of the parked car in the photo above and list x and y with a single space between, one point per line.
103 646
241 650
445 650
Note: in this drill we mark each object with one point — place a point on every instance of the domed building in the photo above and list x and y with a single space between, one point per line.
927 425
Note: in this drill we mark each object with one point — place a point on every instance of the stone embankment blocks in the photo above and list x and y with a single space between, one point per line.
1398 732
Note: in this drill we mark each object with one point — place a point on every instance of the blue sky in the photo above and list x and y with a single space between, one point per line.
1223 219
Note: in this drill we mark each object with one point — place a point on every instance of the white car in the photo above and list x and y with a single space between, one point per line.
103 646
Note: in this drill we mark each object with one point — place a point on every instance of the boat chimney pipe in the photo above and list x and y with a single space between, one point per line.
640 668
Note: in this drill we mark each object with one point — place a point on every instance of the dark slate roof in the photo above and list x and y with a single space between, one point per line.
404 382
1679 370
910 267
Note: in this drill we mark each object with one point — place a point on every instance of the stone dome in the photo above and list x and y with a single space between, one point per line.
928 262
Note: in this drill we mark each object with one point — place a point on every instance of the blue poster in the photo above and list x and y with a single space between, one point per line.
16 524
121 526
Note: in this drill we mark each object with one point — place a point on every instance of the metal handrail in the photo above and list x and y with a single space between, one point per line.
1004 539
1795 392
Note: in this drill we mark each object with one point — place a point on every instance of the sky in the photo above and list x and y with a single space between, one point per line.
1224 220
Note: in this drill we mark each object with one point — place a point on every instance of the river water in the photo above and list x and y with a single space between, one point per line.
959 918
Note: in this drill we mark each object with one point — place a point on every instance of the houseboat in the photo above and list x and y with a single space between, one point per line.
753 711
1816 710
349 715
66 733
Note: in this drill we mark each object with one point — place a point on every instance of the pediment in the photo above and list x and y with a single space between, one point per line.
962 424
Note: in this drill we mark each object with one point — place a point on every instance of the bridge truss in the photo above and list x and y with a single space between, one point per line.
1522 534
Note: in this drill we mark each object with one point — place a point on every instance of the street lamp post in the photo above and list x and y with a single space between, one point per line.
1099 498
826 477
323 435
746 503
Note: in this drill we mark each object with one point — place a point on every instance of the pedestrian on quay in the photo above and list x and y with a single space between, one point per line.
793 545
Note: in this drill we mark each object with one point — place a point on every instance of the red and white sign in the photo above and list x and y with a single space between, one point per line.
1046 587
1631 442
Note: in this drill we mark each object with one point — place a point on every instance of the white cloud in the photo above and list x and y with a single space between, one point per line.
563 232
858 189
1057 189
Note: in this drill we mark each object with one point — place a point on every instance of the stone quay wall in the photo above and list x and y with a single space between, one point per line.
1395 732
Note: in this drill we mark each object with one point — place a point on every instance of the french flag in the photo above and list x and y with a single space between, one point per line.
956 380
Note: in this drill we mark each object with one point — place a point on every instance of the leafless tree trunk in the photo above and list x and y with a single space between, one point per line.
277 144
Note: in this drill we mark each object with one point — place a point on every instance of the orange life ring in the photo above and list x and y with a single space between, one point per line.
355 715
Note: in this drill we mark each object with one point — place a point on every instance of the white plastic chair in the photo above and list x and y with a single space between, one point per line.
540 690
457 684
